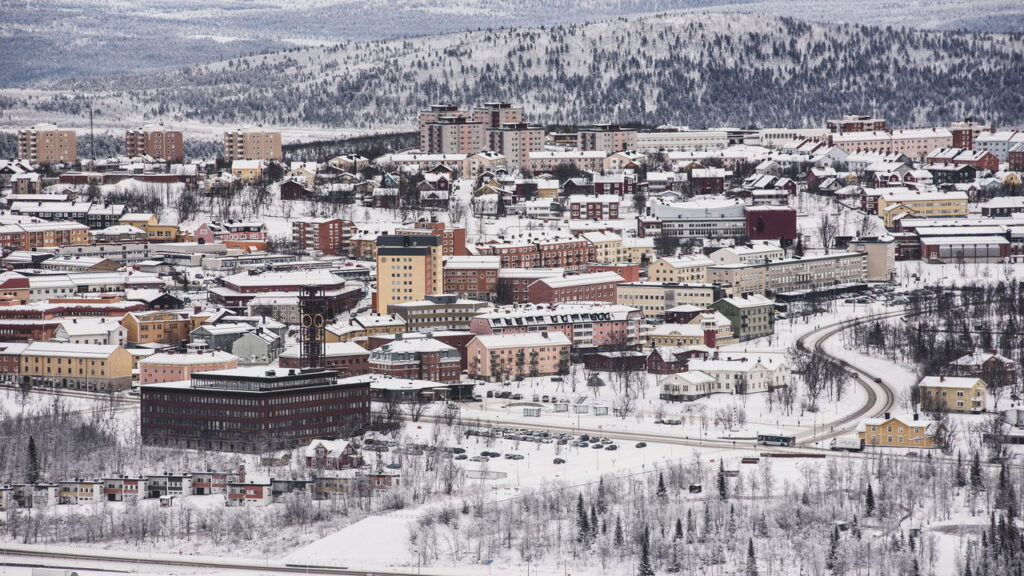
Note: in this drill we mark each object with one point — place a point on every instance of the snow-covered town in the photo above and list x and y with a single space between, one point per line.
483 343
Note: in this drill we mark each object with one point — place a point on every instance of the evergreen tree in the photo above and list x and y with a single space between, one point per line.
678 535
976 480
723 491
618 538
33 461
661 486
593 522
961 481
915 569
751 560
645 568
855 527
869 502
832 558
798 250
602 504
582 521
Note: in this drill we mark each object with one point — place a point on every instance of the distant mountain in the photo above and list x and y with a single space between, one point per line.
695 69
47 39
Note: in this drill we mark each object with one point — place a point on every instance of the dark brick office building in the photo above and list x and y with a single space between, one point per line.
252 409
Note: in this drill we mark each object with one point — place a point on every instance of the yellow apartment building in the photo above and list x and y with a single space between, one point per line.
408 268
921 205
684 270
157 326
76 366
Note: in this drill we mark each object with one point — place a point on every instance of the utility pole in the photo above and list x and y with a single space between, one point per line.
92 137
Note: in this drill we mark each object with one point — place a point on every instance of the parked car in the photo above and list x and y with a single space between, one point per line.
611 447
479 459
558 461
517 396
596 446
395 465
641 444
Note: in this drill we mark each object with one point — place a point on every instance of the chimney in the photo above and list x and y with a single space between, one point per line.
888 415
915 415
942 378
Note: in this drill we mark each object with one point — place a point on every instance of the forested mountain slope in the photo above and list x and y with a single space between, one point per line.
695 69
48 39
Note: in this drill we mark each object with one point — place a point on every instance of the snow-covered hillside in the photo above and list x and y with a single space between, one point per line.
100 37
695 69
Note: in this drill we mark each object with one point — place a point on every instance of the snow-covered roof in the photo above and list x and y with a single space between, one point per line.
331 349
686 261
583 279
948 382
65 350
497 341
335 448
191 359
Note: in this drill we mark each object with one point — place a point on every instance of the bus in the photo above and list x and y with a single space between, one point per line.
776 439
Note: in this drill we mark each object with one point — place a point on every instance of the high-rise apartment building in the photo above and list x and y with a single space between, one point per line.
447 129
252 143
157 141
47 144
515 142
408 268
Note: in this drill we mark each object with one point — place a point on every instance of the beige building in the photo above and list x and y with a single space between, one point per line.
749 254
47 144
906 431
953 394
252 143
686 269
497 357
607 245
515 142
409 267
709 329
77 366
881 256
915 203
807 273
654 298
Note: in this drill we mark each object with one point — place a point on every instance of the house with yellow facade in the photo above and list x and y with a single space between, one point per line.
248 171
953 394
898 202
906 431
711 329
76 366
157 326
685 269
150 224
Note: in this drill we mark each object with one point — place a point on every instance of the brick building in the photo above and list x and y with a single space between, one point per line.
252 409
594 287
417 359
474 277
157 141
598 207
323 236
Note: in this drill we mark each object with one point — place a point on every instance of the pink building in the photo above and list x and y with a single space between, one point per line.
172 367
510 356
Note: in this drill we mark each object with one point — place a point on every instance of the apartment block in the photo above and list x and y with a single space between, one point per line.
252 143
47 144
323 236
474 277
76 366
409 267
515 142
499 357
157 141
607 138
656 298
